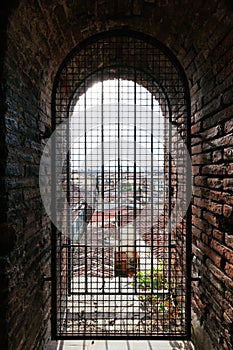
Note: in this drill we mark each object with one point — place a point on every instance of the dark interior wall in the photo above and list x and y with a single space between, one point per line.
212 140
37 37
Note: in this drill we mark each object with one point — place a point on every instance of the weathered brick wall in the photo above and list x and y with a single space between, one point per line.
28 257
212 127
24 256
37 38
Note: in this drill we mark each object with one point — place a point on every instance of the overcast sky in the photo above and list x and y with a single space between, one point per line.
109 119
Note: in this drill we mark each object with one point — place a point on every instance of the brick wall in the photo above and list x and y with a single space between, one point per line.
24 256
35 40
212 201
27 258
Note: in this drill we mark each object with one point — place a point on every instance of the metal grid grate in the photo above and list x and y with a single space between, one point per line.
121 256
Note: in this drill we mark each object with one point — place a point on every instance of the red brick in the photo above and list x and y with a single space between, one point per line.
229 270
221 197
211 133
229 297
205 238
204 158
218 235
212 294
219 248
229 309
229 125
215 183
217 169
227 210
196 170
200 304
217 156
228 198
214 207
228 154
228 185
218 117
197 252
196 211
196 149
196 129
210 218
229 240
217 272
226 141
196 232
200 202
216 258
222 250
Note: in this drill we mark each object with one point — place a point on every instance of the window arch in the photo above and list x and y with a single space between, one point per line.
121 236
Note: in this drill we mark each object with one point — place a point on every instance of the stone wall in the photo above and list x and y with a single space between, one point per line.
35 40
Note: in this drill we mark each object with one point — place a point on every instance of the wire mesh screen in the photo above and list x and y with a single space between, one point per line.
121 240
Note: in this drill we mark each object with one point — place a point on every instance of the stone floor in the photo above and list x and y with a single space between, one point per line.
119 314
79 305
124 345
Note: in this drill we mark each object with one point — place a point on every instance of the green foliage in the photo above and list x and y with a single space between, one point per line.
153 284
127 187
161 304
153 278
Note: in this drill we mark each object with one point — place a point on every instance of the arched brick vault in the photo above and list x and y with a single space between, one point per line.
35 39
47 31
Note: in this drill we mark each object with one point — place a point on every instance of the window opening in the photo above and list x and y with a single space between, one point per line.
121 260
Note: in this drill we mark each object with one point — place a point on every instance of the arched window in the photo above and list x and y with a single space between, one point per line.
121 185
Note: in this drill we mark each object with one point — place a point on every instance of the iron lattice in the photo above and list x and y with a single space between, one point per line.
121 255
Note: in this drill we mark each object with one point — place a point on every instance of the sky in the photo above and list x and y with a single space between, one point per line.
115 122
